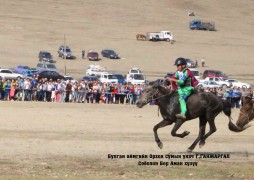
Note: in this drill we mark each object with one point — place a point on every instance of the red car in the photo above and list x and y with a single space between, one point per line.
214 73
93 56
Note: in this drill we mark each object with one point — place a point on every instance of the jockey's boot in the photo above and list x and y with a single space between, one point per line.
181 116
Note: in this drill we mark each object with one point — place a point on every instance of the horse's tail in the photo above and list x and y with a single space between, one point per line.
227 111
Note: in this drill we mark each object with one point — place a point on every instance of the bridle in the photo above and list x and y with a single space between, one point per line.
248 116
153 96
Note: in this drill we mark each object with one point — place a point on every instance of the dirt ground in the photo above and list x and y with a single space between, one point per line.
55 140
73 141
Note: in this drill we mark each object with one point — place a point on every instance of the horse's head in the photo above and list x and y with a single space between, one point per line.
148 94
246 112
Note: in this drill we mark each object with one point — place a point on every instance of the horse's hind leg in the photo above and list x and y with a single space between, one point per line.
161 124
202 125
178 124
211 131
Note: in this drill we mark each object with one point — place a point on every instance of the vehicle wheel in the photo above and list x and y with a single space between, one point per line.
224 86
244 86
199 86
168 40
18 77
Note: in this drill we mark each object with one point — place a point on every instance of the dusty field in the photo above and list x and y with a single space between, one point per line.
72 141
69 141
29 26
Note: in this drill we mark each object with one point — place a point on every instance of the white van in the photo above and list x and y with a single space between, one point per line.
108 78
46 66
196 73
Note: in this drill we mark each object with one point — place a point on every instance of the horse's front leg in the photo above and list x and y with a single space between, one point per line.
161 124
178 124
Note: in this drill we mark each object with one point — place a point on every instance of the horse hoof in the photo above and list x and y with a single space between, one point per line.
189 150
201 144
160 145
186 132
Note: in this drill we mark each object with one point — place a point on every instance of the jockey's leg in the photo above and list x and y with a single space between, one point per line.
183 95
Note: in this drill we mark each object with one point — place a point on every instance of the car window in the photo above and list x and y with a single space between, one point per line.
138 77
112 77
44 73
6 71
54 73
39 65
51 66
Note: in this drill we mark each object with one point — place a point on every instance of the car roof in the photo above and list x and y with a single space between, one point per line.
44 52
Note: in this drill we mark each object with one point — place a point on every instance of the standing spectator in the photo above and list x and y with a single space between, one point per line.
1 89
7 90
68 91
13 88
203 62
27 89
53 94
226 96
236 97
83 54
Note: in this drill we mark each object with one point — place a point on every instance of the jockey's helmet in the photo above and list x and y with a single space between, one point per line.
180 61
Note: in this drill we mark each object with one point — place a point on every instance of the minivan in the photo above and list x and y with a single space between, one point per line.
46 66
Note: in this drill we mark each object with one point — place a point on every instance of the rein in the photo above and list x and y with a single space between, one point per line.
156 93
248 116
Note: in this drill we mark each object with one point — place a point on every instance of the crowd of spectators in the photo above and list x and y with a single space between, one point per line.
46 90
233 94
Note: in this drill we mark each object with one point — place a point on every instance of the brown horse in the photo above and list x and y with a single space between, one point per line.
140 37
246 112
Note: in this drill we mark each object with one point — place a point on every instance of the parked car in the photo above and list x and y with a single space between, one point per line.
134 70
21 68
46 66
8 74
49 75
108 78
45 56
95 70
202 25
93 56
209 84
91 78
238 83
120 78
214 73
219 81
29 72
136 79
65 52
108 53
190 63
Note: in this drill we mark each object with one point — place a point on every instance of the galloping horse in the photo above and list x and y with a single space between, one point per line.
204 105
140 37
